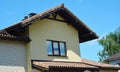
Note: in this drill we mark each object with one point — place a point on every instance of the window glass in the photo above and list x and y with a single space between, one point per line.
62 49
55 46
119 64
49 46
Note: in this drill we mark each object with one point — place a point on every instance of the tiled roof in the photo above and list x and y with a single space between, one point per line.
114 57
43 14
85 34
36 17
5 35
99 64
46 65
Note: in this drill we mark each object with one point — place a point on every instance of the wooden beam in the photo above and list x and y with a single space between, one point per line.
54 15
57 20
85 35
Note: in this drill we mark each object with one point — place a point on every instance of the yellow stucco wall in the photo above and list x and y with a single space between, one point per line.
102 70
35 70
28 57
108 71
46 29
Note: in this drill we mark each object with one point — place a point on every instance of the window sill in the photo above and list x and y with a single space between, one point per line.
57 55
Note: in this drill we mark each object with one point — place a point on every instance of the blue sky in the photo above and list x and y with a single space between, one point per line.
102 16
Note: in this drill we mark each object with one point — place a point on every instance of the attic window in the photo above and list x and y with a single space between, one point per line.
56 48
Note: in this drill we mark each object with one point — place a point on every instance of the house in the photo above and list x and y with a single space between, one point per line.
114 59
48 42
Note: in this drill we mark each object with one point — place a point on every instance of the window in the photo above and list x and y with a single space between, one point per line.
119 64
56 48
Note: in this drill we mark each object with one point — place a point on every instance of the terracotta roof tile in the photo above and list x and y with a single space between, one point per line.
53 65
52 10
85 34
99 64
35 17
5 35
46 65
41 15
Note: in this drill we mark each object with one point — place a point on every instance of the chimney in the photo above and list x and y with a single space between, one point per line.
32 14
25 17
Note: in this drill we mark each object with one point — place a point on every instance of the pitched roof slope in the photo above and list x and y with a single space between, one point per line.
85 34
7 36
84 64
99 64
47 65
114 57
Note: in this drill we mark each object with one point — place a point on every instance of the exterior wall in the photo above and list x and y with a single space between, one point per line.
12 56
108 71
28 58
46 29
35 70
12 69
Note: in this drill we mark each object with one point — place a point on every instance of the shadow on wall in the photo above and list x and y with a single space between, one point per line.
71 56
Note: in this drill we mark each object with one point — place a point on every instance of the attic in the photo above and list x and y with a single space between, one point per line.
85 34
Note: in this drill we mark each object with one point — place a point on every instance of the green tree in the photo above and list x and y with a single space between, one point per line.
110 44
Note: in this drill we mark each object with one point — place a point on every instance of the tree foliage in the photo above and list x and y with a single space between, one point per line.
110 44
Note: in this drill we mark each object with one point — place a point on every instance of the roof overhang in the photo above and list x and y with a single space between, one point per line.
85 34
6 36
60 65
101 65
47 65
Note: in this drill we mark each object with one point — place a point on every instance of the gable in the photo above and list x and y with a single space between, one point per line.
85 34
47 29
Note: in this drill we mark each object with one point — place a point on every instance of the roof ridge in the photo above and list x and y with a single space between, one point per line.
43 13
23 21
